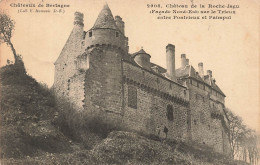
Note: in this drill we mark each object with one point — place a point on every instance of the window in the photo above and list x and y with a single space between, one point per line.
117 34
90 34
169 112
132 97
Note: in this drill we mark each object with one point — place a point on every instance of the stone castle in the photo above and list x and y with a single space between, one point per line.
96 72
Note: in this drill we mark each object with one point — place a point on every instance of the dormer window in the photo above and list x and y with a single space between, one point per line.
117 34
90 34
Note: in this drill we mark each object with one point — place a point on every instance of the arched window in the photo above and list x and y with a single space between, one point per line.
169 112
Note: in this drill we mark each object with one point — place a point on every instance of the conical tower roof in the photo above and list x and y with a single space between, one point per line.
105 19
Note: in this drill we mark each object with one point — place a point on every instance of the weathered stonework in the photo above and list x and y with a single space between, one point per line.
98 75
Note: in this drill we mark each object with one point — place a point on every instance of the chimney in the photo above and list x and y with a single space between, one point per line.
183 60
170 61
78 20
209 73
120 24
187 61
201 71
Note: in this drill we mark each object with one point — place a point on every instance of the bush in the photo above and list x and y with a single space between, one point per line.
80 126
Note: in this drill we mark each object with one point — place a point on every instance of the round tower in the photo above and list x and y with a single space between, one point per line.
106 32
142 59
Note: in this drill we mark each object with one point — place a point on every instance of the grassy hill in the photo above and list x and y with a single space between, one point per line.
35 130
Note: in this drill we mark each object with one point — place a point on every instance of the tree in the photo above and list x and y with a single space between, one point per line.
6 31
243 141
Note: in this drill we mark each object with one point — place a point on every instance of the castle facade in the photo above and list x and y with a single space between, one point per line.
96 72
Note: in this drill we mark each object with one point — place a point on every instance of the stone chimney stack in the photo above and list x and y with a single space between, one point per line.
209 73
183 60
78 20
187 61
120 24
170 61
201 71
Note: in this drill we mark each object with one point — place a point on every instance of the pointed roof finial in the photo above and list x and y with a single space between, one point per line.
105 19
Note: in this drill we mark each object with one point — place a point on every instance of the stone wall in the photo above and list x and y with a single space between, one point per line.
103 83
106 36
65 66
154 94
205 127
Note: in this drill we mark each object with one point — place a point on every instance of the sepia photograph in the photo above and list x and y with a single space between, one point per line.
129 82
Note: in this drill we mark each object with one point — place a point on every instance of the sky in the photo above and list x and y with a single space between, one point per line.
229 48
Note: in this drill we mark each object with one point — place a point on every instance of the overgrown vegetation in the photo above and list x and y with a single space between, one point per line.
243 140
37 128
26 112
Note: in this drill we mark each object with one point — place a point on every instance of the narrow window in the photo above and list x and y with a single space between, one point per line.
117 34
90 34
132 97
169 112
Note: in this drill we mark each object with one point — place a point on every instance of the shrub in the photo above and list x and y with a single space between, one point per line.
79 126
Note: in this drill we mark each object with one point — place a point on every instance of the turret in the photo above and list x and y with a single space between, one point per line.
142 59
170 61
120 24
106 32
201 71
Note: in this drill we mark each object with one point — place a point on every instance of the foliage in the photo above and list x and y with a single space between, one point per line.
6 32
82 127
243 140
26 110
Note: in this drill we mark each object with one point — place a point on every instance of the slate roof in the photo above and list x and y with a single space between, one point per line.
139 52
189 71
105 20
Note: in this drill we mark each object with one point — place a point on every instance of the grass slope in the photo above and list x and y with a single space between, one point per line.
30 133
27 110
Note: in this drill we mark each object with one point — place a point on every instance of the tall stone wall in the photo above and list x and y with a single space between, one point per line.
154 95
65 66
205 120
75 86
103 83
